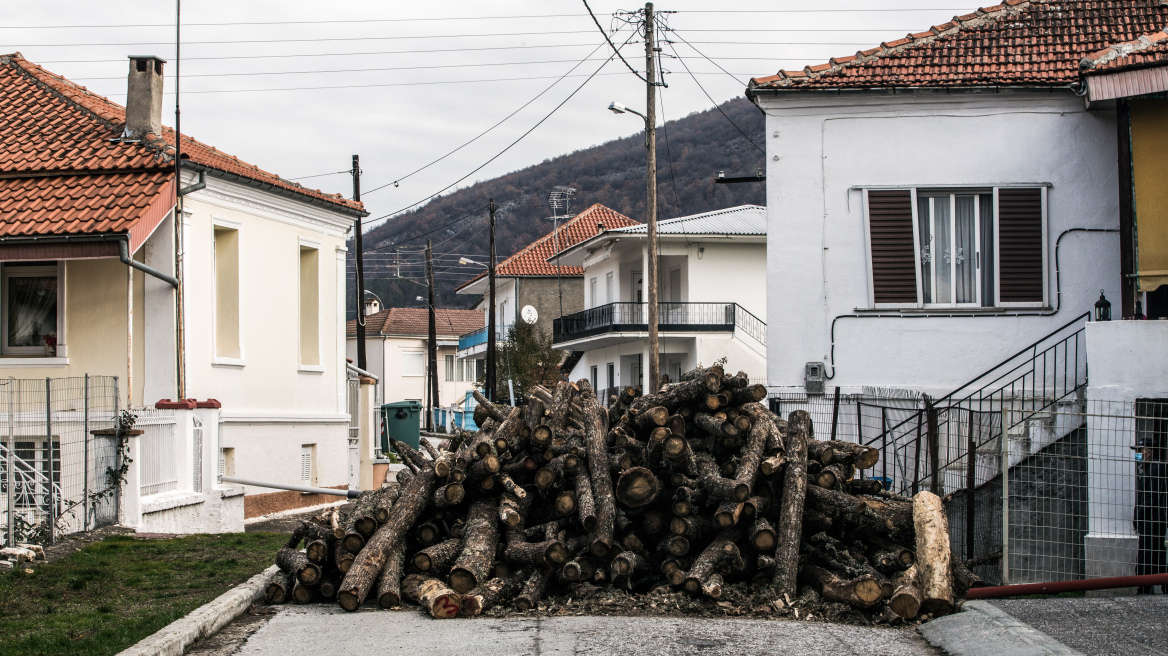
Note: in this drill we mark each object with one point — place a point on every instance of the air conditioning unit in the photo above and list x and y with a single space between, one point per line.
814 381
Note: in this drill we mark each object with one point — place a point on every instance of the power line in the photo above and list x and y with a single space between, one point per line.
703 55
321 22
318 175
345 38
615 51
424 234
483 133
718 106
397 84
509 146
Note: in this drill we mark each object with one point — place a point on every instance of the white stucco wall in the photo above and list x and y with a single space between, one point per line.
821 146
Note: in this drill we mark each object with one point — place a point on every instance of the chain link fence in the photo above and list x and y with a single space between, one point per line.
58 447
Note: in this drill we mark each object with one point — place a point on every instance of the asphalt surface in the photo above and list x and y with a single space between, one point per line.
297 628
1098 626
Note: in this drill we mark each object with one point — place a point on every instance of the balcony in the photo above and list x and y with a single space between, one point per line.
671 317
474 343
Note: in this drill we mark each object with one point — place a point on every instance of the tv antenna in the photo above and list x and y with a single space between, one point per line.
559 200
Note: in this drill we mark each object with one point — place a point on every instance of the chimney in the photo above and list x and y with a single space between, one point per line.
372 306
599 228
144 97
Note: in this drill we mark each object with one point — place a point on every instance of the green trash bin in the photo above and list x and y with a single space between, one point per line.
402 422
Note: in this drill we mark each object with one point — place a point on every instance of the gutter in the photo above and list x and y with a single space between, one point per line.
358 370
203 170
124 256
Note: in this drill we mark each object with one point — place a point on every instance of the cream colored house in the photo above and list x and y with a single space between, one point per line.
395 349
242 303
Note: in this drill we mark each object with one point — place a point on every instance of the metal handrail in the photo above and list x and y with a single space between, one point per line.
26 479
633 317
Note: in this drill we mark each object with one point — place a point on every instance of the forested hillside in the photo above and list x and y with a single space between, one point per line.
612 174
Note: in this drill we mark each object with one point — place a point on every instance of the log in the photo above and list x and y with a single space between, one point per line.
560 405
906 595
369 563
833 503
714 425
603 496
964 578
486 409
448 495
389 584
437 559
863 486
548 552
342 558
772 465
512 510
728 514
718 487
480 540
636 487
565 503
492 593
703 566
533 590
335 524
302 594
756 506
279 588
861 592
865 457
932 552
790 530
831 476
756 445
762 535
674 397
297 564
432 595
580 568
329 584
820 452
651 418
627 567
585 503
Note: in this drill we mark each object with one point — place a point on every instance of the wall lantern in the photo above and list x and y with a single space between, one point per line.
1102 308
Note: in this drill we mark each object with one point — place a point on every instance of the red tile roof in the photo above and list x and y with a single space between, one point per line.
80 204
1148 50
532 259
416 322
51 125
1029 43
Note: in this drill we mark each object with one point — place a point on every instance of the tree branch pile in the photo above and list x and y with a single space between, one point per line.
697 487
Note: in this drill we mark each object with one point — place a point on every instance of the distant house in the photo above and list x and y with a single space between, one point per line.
395 346
712 291
241 302
528 278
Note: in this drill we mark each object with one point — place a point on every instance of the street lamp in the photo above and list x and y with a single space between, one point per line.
650 221
467 260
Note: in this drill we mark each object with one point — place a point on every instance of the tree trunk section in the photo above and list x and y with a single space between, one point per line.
790 529
492 593
637 487
279 588
297 564
389 584
594 434
861 592
437 559
933 557
433 595
533 590
906 596
480 539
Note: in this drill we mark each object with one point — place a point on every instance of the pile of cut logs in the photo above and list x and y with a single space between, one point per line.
696 487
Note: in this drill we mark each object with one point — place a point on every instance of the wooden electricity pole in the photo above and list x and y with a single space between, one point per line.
432 342
489 383
359 266
651 195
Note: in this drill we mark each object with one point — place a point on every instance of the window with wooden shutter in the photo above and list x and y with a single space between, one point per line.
1020 248
894 261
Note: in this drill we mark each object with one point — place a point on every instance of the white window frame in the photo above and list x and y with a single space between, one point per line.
976 192
608 282
412 352
23 270
309 367
914 190
216 359
592 300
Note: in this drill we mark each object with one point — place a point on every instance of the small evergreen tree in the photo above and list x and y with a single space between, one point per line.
527 359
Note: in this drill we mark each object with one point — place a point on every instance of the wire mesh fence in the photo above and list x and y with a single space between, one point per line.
58 445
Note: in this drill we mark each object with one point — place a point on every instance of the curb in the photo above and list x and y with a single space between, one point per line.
174 638
982 629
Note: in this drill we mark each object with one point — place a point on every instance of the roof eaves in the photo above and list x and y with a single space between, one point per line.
276 189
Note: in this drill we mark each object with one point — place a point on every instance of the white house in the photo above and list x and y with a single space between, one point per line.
712 286
240 306
943 208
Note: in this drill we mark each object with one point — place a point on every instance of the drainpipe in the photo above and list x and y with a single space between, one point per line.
124 256
351 494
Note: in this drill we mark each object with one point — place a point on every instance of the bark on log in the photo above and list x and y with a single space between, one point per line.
727 514
389 584
448 495
675 397
762 536
302 594
433 595
964 578
718 487
833 503
627 567
369 563
492 593
585 503
714 425
703 566
437 559
512 510
790 529
933 556
772 465
486 409
906 595
480 539
279 588
560 405
603 495
329 584
342 558
533 590
637 487
863 486
651 418
820 452
861 592
297 564
865 457
831 476
756 446
580 568
548 552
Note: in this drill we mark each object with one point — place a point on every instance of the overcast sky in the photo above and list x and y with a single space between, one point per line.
274 84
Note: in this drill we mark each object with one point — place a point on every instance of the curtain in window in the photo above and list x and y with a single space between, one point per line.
925 232
988 292
32 309
965 250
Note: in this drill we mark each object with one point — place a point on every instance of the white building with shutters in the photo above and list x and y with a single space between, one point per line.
918 236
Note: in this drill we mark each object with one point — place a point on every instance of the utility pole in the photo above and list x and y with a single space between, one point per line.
432 342
359 262
489 383
651 195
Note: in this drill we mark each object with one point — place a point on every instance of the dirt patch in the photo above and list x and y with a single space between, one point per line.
231 637
78 541
283 524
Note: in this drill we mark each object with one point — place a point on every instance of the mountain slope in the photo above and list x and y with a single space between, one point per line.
612 174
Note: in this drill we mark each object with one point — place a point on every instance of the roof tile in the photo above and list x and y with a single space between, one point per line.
416 322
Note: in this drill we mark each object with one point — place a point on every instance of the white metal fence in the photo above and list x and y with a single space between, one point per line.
159 450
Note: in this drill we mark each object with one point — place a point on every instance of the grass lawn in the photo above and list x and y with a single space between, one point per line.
113 593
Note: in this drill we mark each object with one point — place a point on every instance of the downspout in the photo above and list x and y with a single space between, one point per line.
124 256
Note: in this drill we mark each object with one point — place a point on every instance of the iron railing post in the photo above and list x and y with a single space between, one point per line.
884 445
934 446
1005 455
835 412
917 456
49 459
11 471
970 483
85 459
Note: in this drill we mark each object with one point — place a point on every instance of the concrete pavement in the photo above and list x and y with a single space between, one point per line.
297 628
1098 626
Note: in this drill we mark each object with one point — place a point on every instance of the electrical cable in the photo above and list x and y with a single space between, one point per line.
509 146
669 155
317 40
397 84
442 227
711 60
614 48
717 106
318 175
484 133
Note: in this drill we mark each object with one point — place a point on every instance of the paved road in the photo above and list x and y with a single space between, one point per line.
1098 626
296 629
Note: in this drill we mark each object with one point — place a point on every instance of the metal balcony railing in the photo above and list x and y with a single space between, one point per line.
671 317
479 337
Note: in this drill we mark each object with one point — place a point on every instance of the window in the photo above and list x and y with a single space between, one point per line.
608 288
480 369
449 360
595 378
30 314
309 306
413 363
957 247
227 462
611 375
592 293
226 254
503 318
308 464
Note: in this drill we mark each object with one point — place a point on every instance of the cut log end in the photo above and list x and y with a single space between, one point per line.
636 487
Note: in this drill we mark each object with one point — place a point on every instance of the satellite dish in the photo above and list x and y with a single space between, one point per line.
529 314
